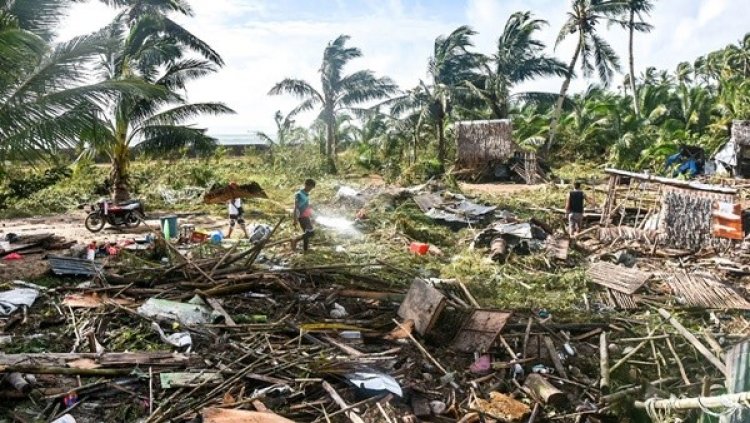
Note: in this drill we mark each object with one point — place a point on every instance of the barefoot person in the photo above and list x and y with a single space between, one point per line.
574 208
236 214
303 215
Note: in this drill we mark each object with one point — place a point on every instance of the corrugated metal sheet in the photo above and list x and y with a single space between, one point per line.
73 266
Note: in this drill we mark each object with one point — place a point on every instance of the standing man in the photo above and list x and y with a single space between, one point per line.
574 208
303 215
236 214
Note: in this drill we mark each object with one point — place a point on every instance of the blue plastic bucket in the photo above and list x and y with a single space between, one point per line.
169 227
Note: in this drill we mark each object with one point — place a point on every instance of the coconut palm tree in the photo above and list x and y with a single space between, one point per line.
338 92
634 21
519 57
594 52
45 95
147 45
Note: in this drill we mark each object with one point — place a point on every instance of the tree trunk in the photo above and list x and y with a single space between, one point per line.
441 141
119 173
631 61
331 140
561 99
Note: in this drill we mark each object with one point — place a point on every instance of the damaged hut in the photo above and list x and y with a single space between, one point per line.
669 212
486 150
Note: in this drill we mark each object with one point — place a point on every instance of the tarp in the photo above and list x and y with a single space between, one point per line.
11 300
452 210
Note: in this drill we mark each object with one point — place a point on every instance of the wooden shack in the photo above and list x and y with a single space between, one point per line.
669 212
485 149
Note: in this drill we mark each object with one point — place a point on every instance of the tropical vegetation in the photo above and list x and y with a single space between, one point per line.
135 103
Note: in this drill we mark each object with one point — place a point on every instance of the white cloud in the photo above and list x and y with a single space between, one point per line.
264 41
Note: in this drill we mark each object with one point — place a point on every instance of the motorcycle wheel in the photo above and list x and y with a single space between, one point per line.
132 220
95 222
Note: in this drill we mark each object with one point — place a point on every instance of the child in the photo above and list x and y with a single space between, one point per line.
303 215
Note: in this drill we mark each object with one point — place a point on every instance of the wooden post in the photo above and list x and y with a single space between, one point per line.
738 379
554 357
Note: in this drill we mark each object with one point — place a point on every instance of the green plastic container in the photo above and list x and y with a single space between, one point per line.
169 227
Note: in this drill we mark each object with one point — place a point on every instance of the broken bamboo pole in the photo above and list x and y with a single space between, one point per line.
351 414
603 362
694 341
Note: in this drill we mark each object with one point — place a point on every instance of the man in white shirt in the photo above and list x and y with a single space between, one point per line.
236 213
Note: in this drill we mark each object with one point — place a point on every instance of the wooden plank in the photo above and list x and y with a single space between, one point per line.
423 303
480 330
622 279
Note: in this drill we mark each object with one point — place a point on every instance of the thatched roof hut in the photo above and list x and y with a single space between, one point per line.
483 143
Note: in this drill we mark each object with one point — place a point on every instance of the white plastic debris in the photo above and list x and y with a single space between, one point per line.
11 300
437 407
375 382
178 339
192 313
67 418
338 311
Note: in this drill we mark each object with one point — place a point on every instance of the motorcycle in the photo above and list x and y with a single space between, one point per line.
129 214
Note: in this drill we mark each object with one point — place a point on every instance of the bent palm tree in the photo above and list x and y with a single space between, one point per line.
338 92
45 101
519 57
594 52
148 46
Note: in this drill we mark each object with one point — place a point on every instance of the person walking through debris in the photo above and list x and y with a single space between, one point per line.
236 214
303 215
574 208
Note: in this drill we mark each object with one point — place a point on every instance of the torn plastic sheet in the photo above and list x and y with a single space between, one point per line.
178 339
192 313
11 300
375 382
455 210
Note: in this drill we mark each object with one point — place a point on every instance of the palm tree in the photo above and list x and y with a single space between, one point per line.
595 53
636 10
147 45
519 57
338 92
45 100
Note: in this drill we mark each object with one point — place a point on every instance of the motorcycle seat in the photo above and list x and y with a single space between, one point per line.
129 203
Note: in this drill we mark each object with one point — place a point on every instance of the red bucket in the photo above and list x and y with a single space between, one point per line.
419 248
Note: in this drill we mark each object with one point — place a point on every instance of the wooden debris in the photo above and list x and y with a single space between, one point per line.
693 340
619 278
422 304
543 390
702 289
480 330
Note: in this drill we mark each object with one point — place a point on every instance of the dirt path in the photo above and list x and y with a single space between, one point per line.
497 189
70 226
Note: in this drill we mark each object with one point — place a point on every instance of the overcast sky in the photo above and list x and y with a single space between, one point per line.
263 41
